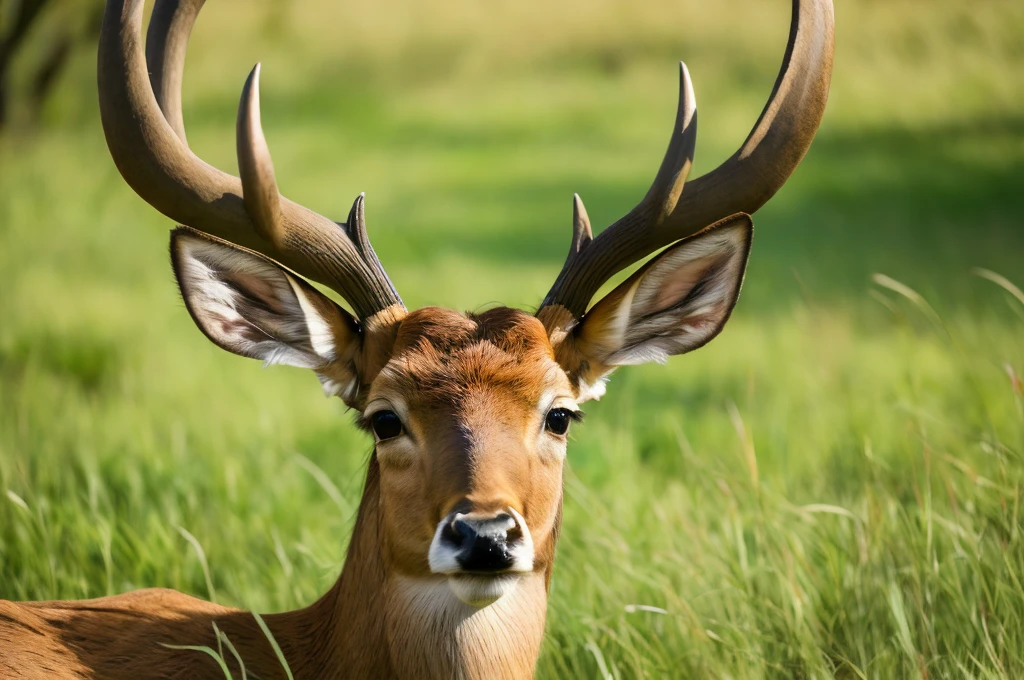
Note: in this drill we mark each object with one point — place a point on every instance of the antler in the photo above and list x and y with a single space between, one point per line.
144 130
742 184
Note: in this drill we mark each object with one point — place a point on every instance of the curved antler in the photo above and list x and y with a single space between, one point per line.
741 184
146 138
166 43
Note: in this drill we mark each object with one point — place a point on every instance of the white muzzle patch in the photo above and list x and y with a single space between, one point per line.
478 589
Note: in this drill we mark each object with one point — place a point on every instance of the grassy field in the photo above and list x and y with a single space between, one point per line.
831 488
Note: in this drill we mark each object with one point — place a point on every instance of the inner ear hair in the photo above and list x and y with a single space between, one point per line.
710 275
251 306
674 304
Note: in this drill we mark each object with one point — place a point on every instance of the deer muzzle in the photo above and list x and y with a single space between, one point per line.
482 554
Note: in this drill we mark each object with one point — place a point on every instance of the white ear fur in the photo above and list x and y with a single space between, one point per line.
676 303
250 306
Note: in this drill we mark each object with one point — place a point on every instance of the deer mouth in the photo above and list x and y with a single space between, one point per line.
480 590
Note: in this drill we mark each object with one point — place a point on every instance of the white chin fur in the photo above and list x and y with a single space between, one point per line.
481 591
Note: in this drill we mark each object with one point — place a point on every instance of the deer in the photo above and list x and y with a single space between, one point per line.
449 566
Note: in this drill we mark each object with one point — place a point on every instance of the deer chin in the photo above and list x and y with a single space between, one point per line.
482 590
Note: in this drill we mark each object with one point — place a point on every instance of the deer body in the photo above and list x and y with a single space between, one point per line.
451 556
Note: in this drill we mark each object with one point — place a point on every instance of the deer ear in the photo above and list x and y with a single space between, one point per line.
250 306
676 303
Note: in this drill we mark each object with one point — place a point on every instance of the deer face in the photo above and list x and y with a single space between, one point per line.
470 417
469 412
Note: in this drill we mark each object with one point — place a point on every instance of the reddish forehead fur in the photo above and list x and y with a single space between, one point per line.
443 351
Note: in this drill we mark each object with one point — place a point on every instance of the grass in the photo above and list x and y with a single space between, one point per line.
831 488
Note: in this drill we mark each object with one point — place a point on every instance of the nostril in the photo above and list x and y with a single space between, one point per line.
455 531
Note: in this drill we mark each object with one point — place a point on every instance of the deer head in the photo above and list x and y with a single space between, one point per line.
469 412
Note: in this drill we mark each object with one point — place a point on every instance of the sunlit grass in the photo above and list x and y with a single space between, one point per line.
832 487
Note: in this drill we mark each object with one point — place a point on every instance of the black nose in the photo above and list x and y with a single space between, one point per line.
482 543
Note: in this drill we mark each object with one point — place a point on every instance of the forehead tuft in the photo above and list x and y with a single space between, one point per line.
445 331
442 353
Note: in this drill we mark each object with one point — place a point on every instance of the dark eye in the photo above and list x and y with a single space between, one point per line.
386 425
558 419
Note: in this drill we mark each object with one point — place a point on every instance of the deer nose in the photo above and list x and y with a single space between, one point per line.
482 543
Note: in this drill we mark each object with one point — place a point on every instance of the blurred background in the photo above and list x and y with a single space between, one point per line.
835 480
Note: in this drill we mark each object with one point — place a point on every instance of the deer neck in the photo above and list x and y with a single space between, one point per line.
375 622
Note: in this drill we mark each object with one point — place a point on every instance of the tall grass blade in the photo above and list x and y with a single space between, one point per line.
201 554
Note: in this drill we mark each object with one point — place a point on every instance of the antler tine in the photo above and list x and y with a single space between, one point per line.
255 168
583 273
160 167
742 184
664 193
582 234
356 227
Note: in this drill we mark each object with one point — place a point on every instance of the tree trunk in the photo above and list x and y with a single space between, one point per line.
27 13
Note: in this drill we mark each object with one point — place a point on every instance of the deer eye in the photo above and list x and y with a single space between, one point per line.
558 419
386 425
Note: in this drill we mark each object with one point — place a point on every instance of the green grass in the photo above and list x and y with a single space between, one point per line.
831 488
